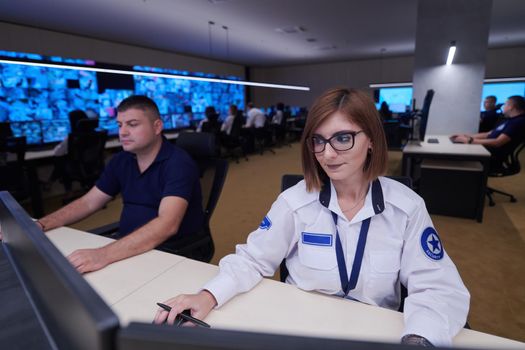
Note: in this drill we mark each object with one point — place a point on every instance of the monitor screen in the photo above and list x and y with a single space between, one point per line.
36 100
399 99
141 336
53 285
502 91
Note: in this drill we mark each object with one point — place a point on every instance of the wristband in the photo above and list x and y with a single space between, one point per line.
471 139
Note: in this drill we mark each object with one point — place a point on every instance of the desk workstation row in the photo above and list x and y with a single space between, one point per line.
113 307
451 177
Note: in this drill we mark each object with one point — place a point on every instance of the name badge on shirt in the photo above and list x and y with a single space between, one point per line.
321 239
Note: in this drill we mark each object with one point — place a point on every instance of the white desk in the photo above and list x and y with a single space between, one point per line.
134 285
446 149
120 279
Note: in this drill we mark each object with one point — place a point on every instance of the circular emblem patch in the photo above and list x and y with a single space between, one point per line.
431 244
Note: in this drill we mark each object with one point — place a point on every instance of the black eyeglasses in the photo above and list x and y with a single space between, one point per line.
340 141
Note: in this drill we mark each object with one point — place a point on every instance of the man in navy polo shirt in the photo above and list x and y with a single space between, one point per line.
503 139
160 189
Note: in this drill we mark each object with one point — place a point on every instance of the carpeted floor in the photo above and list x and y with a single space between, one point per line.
490 256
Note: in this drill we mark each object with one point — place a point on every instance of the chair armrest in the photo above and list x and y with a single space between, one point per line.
106 230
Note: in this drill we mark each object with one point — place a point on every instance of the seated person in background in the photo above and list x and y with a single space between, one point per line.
74 117
505 137
160 189
279 114
226 126
211 121
317 224
384 111
60 153
255 117
490 116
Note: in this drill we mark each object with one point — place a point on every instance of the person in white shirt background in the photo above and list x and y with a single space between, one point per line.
226 126
347 231
255 117
279 114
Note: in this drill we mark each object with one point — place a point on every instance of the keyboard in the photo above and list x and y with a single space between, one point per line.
432 141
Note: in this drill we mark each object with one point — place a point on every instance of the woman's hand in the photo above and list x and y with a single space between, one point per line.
200 305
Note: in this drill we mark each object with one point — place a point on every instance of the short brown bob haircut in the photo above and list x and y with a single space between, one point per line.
359 108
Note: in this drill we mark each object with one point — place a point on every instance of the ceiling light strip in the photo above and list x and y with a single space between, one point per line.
498 80
389 85
160 75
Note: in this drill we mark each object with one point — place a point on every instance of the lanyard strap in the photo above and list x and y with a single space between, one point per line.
349 284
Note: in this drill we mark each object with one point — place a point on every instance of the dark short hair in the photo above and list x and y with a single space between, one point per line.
491 97
518 102
359 108
141 102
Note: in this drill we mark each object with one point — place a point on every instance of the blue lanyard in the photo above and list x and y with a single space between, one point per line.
349 284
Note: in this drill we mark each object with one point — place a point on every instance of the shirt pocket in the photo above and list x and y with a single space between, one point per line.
317 257
384 263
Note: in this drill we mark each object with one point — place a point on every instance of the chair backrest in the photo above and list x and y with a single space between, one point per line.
213 170
86 155
512 166
238 122
12 172
505 160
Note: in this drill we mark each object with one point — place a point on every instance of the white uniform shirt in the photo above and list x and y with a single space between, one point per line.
400 232
278 117
228 124
255 118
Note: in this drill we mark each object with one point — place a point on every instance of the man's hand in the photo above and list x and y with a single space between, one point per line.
87 260
462 138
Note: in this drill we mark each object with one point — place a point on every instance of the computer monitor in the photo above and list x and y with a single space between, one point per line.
73 314
399 99
423 114
145 336
502 91
142 336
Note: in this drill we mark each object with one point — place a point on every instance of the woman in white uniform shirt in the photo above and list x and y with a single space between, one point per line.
346 231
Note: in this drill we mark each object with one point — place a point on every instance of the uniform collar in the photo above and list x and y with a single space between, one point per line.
374 201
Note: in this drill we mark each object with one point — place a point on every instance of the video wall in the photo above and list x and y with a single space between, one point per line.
36 100
399 99
502 91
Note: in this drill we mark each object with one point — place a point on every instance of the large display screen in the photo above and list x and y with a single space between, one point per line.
502 91
36 100
399 99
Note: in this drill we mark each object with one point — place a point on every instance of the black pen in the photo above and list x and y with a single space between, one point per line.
185 317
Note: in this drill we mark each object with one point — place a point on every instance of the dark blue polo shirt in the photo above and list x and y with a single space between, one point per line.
173 173
513 128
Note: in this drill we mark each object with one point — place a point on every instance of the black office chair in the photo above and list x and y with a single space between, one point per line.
511 166
234 141
13 176
85 158
213 171
263 138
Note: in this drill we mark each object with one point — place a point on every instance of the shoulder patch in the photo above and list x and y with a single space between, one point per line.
431 244
265 224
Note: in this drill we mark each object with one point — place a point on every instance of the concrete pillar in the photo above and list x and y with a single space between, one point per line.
458 87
